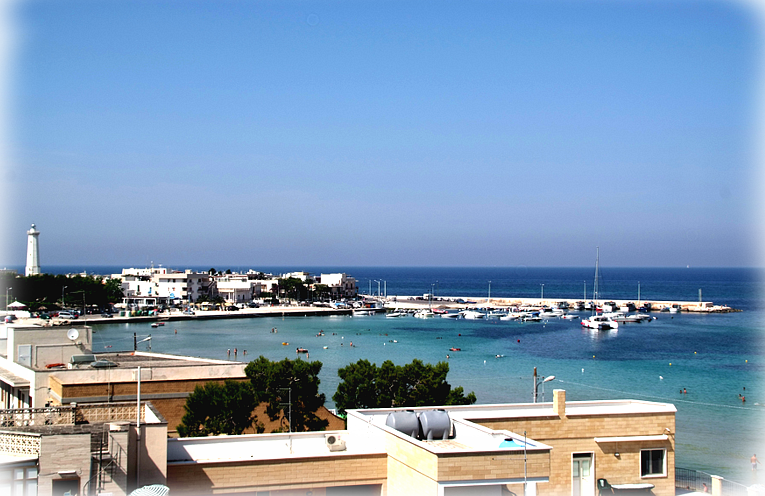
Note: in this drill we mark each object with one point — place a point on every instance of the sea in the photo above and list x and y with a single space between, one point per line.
701 363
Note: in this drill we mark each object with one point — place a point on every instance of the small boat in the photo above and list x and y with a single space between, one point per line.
600 323
674 308
424 314
455 349
285 343
440 311
155 324
450 315
396 314
472 315
301 350
570 316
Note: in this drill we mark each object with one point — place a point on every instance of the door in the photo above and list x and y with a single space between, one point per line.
582 476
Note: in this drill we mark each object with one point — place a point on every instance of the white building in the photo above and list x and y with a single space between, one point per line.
33 253
149 287
236 291
340 285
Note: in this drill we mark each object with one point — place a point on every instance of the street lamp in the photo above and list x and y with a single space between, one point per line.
6 297
62 296
538 381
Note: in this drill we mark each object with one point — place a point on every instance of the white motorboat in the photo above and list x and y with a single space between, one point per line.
600 323
472 314
393 315
450 315
570 316
424 314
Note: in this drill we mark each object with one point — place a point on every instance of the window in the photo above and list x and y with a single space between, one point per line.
19 480
653 463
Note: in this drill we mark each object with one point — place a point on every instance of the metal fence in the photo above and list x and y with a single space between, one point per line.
694 480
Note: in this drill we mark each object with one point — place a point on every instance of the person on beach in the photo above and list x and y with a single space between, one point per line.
754 461
706 489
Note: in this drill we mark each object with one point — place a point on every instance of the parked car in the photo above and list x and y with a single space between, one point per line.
232 308
67 315
106 315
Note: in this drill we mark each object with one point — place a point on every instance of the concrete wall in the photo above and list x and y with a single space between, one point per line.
62 453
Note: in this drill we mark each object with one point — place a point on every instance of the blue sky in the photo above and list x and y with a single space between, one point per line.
383 133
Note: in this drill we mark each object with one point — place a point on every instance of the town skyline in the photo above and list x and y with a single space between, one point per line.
321 134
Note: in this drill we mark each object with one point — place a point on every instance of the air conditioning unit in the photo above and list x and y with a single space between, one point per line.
334 442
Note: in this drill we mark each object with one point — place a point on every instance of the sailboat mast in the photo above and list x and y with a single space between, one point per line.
595 289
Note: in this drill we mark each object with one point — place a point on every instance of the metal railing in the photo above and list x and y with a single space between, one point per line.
694 480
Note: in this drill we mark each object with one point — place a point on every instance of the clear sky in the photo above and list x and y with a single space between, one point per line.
383 133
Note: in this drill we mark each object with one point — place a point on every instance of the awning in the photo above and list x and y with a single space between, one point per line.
631 439
152 490
12 379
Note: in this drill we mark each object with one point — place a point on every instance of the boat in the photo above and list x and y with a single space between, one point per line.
596 321
424 314
675 308
302 350
450 315
570 316
472 314
440 311
363 312
396 314
455 349
600 323
155 324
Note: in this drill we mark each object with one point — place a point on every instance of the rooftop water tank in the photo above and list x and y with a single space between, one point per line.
405 422
436 424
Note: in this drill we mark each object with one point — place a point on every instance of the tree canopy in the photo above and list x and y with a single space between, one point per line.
46 289
215 409
289 381
364 385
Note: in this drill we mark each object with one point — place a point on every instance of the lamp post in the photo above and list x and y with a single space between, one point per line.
62 296
6 297
543 292
538 381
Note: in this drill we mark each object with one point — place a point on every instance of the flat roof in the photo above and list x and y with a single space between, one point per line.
154 366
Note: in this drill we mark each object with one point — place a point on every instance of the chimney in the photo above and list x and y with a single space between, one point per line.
559 402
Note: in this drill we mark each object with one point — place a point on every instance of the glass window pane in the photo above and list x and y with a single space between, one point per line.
645 463
18 473
5 475
31 488
576 469
657 462
32 473
18 487
585 468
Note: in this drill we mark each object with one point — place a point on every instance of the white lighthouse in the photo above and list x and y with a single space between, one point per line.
33 252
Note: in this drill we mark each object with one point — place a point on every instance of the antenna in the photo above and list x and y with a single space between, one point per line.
72 334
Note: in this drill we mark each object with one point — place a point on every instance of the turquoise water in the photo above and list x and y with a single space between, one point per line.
714 357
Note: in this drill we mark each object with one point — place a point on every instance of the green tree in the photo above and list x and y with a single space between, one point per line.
278 383
364 385
292 287
113 289
215 409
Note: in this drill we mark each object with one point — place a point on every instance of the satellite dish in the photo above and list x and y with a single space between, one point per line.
72 334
